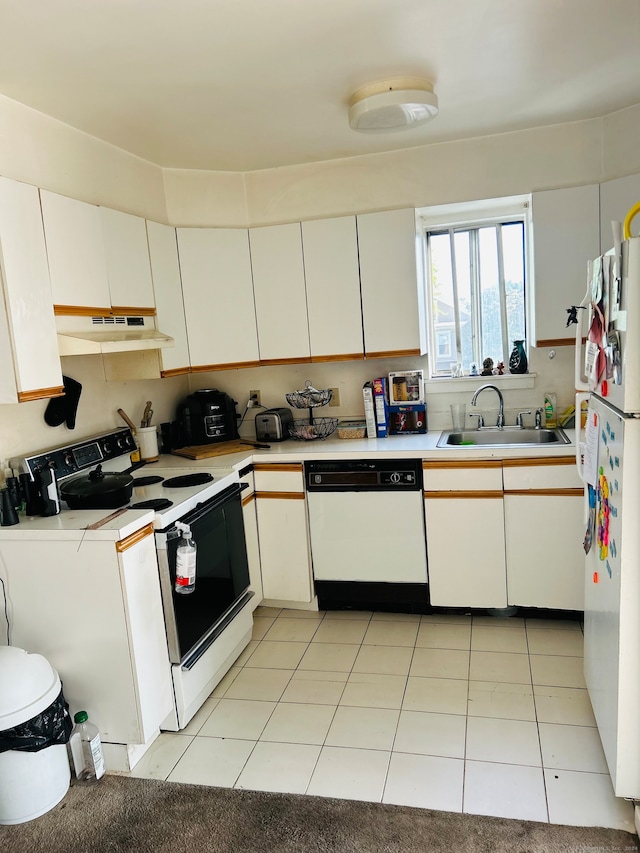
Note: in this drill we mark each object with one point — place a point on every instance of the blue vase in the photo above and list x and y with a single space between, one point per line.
518 359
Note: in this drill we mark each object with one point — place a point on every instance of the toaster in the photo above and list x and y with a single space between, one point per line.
273 424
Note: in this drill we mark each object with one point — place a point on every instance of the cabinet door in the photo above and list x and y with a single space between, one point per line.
332 273
465 533
28 340
251 537
284 548
566 235
128 267
75 250
465 551
391 304
218 297
545 558
145 625
167 288
617 197
544 529
281 300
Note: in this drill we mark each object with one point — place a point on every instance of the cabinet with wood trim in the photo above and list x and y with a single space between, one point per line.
251 536
218 298
128 268
283 533
75 251
465 533
280 294
105 587
544 528
167 289
391 303
332 274
566 234
30 365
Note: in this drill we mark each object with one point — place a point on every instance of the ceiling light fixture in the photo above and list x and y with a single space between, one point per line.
392 105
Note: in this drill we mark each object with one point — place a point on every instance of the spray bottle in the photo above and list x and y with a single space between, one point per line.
185 561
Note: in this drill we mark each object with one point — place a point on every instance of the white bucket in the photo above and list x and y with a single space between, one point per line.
31 783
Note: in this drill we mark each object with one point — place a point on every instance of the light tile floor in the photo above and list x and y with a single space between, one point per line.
467 714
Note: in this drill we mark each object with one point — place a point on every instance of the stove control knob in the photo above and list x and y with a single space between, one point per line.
68 459
106 447
121 443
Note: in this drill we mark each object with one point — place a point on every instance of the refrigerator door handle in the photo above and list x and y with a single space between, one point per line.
581 383
581 397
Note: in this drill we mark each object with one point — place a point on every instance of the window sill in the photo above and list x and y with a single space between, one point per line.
448 385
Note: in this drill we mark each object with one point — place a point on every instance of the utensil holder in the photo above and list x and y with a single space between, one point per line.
148 440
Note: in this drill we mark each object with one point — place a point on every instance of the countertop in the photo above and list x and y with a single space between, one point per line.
72 524
393 447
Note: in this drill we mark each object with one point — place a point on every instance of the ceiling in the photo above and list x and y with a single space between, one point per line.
241 85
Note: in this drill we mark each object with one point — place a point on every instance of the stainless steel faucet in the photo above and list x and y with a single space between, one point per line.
500 422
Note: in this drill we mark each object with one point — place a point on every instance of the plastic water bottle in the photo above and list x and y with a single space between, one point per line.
185 561
86 749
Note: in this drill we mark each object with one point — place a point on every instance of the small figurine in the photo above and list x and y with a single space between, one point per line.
499 368
473 369
487 367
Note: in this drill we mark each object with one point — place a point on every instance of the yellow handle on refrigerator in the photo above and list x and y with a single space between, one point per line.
627 222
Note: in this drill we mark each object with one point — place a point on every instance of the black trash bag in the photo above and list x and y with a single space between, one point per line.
50 727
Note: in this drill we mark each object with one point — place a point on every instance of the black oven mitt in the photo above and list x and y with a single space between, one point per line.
63 409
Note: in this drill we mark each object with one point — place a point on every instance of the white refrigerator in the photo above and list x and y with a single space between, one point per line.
608 457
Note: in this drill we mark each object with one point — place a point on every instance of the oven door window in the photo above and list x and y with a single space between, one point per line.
222 572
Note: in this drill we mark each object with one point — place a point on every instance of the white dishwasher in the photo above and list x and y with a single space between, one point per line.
368 547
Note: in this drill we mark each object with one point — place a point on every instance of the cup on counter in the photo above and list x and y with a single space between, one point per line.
458 416
148 441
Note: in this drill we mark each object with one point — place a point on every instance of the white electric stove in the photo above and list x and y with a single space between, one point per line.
170 492
206 630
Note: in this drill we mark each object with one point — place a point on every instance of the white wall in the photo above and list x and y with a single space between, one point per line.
42 151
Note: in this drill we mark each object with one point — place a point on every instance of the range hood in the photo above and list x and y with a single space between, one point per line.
102 335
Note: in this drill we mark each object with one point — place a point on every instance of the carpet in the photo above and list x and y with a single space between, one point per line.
123 815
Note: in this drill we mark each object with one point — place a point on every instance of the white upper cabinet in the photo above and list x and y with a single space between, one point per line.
331 269
218 297
280 294
30 365
391 304
127 254
566 235
617 197
75 249
167 287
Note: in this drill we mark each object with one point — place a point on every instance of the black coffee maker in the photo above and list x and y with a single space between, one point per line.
207 416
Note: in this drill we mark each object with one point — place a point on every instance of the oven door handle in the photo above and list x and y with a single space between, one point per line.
213 503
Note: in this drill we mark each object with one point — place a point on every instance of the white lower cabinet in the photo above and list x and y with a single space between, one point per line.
544 529
283 533
465 533
505 533
251 537
92 606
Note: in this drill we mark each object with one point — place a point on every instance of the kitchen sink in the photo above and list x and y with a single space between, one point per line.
507 437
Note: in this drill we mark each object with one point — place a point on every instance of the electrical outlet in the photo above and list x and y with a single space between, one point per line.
255 396
335 398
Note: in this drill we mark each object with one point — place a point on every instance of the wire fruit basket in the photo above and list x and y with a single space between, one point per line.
309 397
308 429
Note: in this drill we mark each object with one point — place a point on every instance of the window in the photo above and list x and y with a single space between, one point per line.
475 274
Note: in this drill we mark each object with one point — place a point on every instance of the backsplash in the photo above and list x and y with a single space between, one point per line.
23 429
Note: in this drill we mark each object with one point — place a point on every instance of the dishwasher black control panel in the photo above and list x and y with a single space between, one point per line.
388 475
